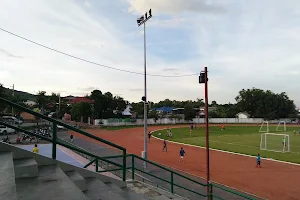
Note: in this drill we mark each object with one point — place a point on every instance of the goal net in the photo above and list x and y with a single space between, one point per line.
281 126
264 127
275 142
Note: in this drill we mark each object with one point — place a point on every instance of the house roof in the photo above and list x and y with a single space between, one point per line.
164 109
126 111
242 113
80 100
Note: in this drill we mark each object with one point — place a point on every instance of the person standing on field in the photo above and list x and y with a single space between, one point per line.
165 146
149 136
258 161
283 142
181 153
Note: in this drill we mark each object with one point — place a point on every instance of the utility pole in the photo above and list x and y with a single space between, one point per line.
142 21
13 94
203 78
59 103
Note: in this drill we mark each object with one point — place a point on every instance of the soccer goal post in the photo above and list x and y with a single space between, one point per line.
275 142
264 127
281 126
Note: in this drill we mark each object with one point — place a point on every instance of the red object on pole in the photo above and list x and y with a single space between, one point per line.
207 133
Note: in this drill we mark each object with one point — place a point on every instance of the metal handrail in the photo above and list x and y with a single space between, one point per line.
171 182
54 132
61 123
60 142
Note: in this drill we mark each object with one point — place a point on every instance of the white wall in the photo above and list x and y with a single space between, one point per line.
195 121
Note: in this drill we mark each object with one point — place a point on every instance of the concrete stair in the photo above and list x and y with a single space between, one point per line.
28 176
7 174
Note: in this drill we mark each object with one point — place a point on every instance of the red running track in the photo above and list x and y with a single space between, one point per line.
273 181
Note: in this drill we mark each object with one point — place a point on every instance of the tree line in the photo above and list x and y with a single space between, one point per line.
257 103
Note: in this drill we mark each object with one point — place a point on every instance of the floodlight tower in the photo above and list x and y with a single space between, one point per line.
142 21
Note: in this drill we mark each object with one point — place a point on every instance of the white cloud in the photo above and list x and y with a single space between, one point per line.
173 6
244 44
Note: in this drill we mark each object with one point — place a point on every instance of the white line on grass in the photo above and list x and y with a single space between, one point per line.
242 145
270 159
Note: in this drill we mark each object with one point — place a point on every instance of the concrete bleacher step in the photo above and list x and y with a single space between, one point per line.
97 190
51 183
151 192
7 177
125 192
25 168
77 179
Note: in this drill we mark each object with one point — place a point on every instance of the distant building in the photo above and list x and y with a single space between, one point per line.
30 103
178 111
127 111
68 98
211 108
79 100
242 115
164 109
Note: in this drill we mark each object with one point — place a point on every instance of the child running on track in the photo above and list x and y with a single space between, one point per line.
149 136
258 161
181 152
165 146
72 137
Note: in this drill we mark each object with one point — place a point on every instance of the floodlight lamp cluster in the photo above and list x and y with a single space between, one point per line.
202 77
141 20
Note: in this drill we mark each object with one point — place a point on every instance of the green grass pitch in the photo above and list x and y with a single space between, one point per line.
239 139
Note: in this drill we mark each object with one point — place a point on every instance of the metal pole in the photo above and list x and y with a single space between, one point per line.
145 102
13 94
207 135
54 140
59 103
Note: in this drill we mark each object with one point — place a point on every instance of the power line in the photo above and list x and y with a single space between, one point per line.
91 62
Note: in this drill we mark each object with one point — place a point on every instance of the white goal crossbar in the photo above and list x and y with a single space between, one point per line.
275 142
281 126
262 130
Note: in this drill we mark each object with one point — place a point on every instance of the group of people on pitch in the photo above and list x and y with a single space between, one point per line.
182 153
165 148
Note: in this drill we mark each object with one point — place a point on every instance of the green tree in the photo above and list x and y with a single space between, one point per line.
265 104
213 114
98 98
41 100
153 114
138 108
189 112
214 103
64 108
54 98
178 104
108 105
3 95
79 110
118 103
